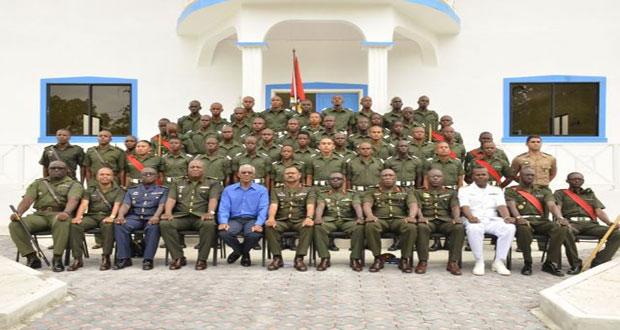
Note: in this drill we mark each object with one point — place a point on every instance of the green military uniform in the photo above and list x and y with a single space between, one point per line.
394 139
198 139
383 150
320 135
582 224
303 118
260 161
364 174
230 149
407 169
288 139
217 166
100 204
362 114
110 156
344 117
134 173
314 135
479 154
72 155
304 154
451 170
321 167
189 123
428 118
174 167
501 167
345 153
192 202
249 117
165 145
356 139
277 170
276 118
539 224
241 129
543 164
436 207
292 203
408 127
391 117
458 138
217 125
339 215
458 150
44 218
273 151
422 151
391 207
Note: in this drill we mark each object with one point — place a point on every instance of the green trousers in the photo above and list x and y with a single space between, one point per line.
590 229
557 234
455 233
90 222
273 237
37 222
407 232
170 233
355 231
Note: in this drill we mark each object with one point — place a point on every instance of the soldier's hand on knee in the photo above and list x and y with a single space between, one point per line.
207 217
371 218
120 221
422 219
521 221
510 220
308 222
14 217
270 222
76 220
107 219
62 216
360 221
457 221
166 216
153 221
474 220
257 229
563 222
410 220
223 226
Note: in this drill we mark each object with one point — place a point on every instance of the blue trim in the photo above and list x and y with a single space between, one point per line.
199 4
258 43
377 43
313 85
43 138
602 81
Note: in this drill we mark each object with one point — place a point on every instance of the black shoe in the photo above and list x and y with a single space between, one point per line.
436 245
395 246
332 245
57 265
122 263
34 263
233 257
551 268
527 269
147 264
292 245
574 270
285 243
245 260
518 250
467 248
162 245
446 245
257 247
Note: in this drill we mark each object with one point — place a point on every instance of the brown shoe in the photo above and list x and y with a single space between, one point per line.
404 266
201 265
323 265
453 268
421 267
300 265
105 262
276 263
77 263
96 246
356 265
176 264
376 266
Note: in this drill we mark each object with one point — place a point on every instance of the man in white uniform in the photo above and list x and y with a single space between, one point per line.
480 205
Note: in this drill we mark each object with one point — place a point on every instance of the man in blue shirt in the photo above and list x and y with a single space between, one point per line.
243 207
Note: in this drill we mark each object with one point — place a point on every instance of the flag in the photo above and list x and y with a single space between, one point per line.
297 86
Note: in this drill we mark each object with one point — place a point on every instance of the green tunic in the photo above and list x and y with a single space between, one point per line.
543 194
292 202
383 150
571 209
64 188
451 169
338 205
277 170
406 169
260 161
437 204
111 157
218 166
72 155
321 167
356 139
501 167
390 204
276 118
189 123
192 196
272 151
344 117
175 166
231 149
428 118
422 151
149 160
364 173
199 137
96 205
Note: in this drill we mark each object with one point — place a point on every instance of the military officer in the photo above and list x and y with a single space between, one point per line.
248 105
98 209
267 144
55 198
215 165
240 124
141 160
344 118
303 117
389 208
323 164
544 165
199 137
363 171
420 147
381 148
159 142
457 150
291 209
104 155
338 209
396 114
329 128
409 123
276 116
582 208
361 127
366 110
229 146
290 136
217 122
141 209
130 145
377 120
191 205
398 133
530 204
408 168
258 125
314 127
452 169
286 160
340 147
446 121
478 153
496 166
190 122
303 152
260 161
174 164
70 154
423 115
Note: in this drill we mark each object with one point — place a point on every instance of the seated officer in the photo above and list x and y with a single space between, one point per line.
291 209
98 209
439 212
55 198
338 209
191 205
390 208
581 207
529 204
141 209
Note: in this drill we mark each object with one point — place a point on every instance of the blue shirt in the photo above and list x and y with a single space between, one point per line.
238 202
144 201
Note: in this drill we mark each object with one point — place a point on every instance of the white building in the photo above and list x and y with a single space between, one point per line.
464 54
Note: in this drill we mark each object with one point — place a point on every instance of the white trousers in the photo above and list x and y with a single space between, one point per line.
505 232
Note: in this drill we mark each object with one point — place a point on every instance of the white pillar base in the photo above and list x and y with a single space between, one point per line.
252 71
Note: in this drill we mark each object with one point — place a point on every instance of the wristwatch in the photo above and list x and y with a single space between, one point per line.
212 212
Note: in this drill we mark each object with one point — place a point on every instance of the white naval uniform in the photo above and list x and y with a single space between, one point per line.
483 203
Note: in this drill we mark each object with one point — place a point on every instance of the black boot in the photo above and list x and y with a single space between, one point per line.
33 261
436 244
57 265
332 245
527 268
395 246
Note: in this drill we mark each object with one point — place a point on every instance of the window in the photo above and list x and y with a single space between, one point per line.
320 93
559 108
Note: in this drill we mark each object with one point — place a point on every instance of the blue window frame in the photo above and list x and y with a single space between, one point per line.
87 82
557 120
345 90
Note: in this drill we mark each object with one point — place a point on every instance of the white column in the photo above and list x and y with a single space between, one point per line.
252 71
378 74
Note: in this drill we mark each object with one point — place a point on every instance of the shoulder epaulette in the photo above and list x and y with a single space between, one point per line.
391 145
523 154
325 109
413 157
300 161
389 158
264 154
313 155
338 155
348 160
228 157
274 163
351 135
546 154
239 154
429 159
381 159
351 190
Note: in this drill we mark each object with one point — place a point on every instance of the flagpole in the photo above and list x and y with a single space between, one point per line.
294 82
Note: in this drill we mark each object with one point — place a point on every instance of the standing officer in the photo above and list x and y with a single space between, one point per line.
229 145
98 209
191 205
446 121
457 150
582 208
338 209
141 209
398 133
159 142
260 161
392 209
174 164
544 165
240 124
451 168
216 166
530 204
395 114
478 153
496 166
344 117
268 146
70 154
303 151
55 198
290 135
303 117
420 147
363 171
217 122
428 118
276 116
381 148
408 169
323 164
104 155
286 160
340 147
291 209
361 127
190 122
130 145
199 137
439 212
138 162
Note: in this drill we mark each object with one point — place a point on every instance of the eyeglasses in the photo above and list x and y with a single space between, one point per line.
57 168
148 174
336 179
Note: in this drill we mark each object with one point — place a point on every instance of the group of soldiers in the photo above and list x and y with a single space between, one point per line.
361 173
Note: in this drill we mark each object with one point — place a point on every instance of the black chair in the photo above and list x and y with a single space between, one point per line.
184 233
222 246
49 233
94 231
287 234
336 235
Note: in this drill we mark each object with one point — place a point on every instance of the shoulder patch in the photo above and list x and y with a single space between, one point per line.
239 154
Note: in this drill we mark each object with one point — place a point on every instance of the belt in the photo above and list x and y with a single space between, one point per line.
405 183
455 187
259 181
587 219
174 178
320 182
531 216
243 218
279 184
135 180
361 188
49 209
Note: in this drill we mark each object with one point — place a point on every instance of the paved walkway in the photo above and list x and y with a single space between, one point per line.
233 297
